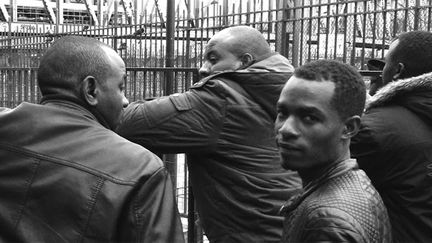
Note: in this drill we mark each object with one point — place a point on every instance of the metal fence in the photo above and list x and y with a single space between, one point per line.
351 31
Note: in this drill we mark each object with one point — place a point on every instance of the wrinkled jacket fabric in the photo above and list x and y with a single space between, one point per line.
340 206
224 124
66 178
394 148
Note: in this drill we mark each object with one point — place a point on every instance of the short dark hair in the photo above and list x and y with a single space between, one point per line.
68 61
414 50
350 90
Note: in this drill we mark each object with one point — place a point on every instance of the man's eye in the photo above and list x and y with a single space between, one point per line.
212 59
310 118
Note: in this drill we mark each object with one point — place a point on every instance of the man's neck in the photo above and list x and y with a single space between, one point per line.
310 174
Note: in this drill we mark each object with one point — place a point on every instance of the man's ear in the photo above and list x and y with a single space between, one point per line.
352 126
89 89
400 71
247 60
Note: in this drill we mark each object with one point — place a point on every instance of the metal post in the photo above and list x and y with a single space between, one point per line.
169 62
281 36
416 14
225 13
59 15
296 34
170 159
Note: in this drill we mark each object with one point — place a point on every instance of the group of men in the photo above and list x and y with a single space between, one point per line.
275 153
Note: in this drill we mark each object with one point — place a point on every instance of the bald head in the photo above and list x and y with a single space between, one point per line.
68 61
243 39
233 49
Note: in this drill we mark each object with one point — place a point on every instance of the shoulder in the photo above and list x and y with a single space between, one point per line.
214 83
119 158
328 223
341 210
391 127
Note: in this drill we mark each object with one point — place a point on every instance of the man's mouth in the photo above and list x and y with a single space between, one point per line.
288 147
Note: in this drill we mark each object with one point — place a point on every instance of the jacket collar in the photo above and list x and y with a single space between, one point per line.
74 104
334 170
394 90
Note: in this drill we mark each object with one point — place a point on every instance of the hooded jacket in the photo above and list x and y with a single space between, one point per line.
339 206
64 177
394 147
224 124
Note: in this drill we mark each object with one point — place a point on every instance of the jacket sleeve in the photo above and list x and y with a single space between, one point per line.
331 225
185 122
152 214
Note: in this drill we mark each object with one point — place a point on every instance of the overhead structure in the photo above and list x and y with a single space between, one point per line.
97 12
50 11
91 10
4 12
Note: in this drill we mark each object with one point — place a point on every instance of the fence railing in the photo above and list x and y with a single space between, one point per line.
352 31
18 85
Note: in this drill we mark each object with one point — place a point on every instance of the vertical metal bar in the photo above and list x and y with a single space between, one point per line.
2 91
406 15
363 34
319 30
344 56
384 13
296 34
310 33
168 89
191 234
395 21
336 30
327 30
301 34
429 16
59 14
115 44
281 36
416 14
354 35
225 13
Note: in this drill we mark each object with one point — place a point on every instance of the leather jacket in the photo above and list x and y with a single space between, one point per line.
66 178
339 206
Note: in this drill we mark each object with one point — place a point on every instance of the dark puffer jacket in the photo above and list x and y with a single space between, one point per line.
66 178
340 206
225 125
394 148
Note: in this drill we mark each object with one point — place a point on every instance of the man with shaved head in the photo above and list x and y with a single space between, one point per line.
65 176
224 125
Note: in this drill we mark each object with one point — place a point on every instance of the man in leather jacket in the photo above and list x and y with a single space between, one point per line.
224 125
65 176
318 112
394 144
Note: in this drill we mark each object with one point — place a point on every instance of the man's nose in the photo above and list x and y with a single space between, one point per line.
205 69
289 128
125 102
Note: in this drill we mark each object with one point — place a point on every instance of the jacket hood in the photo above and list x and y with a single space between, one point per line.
263 80
414 94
